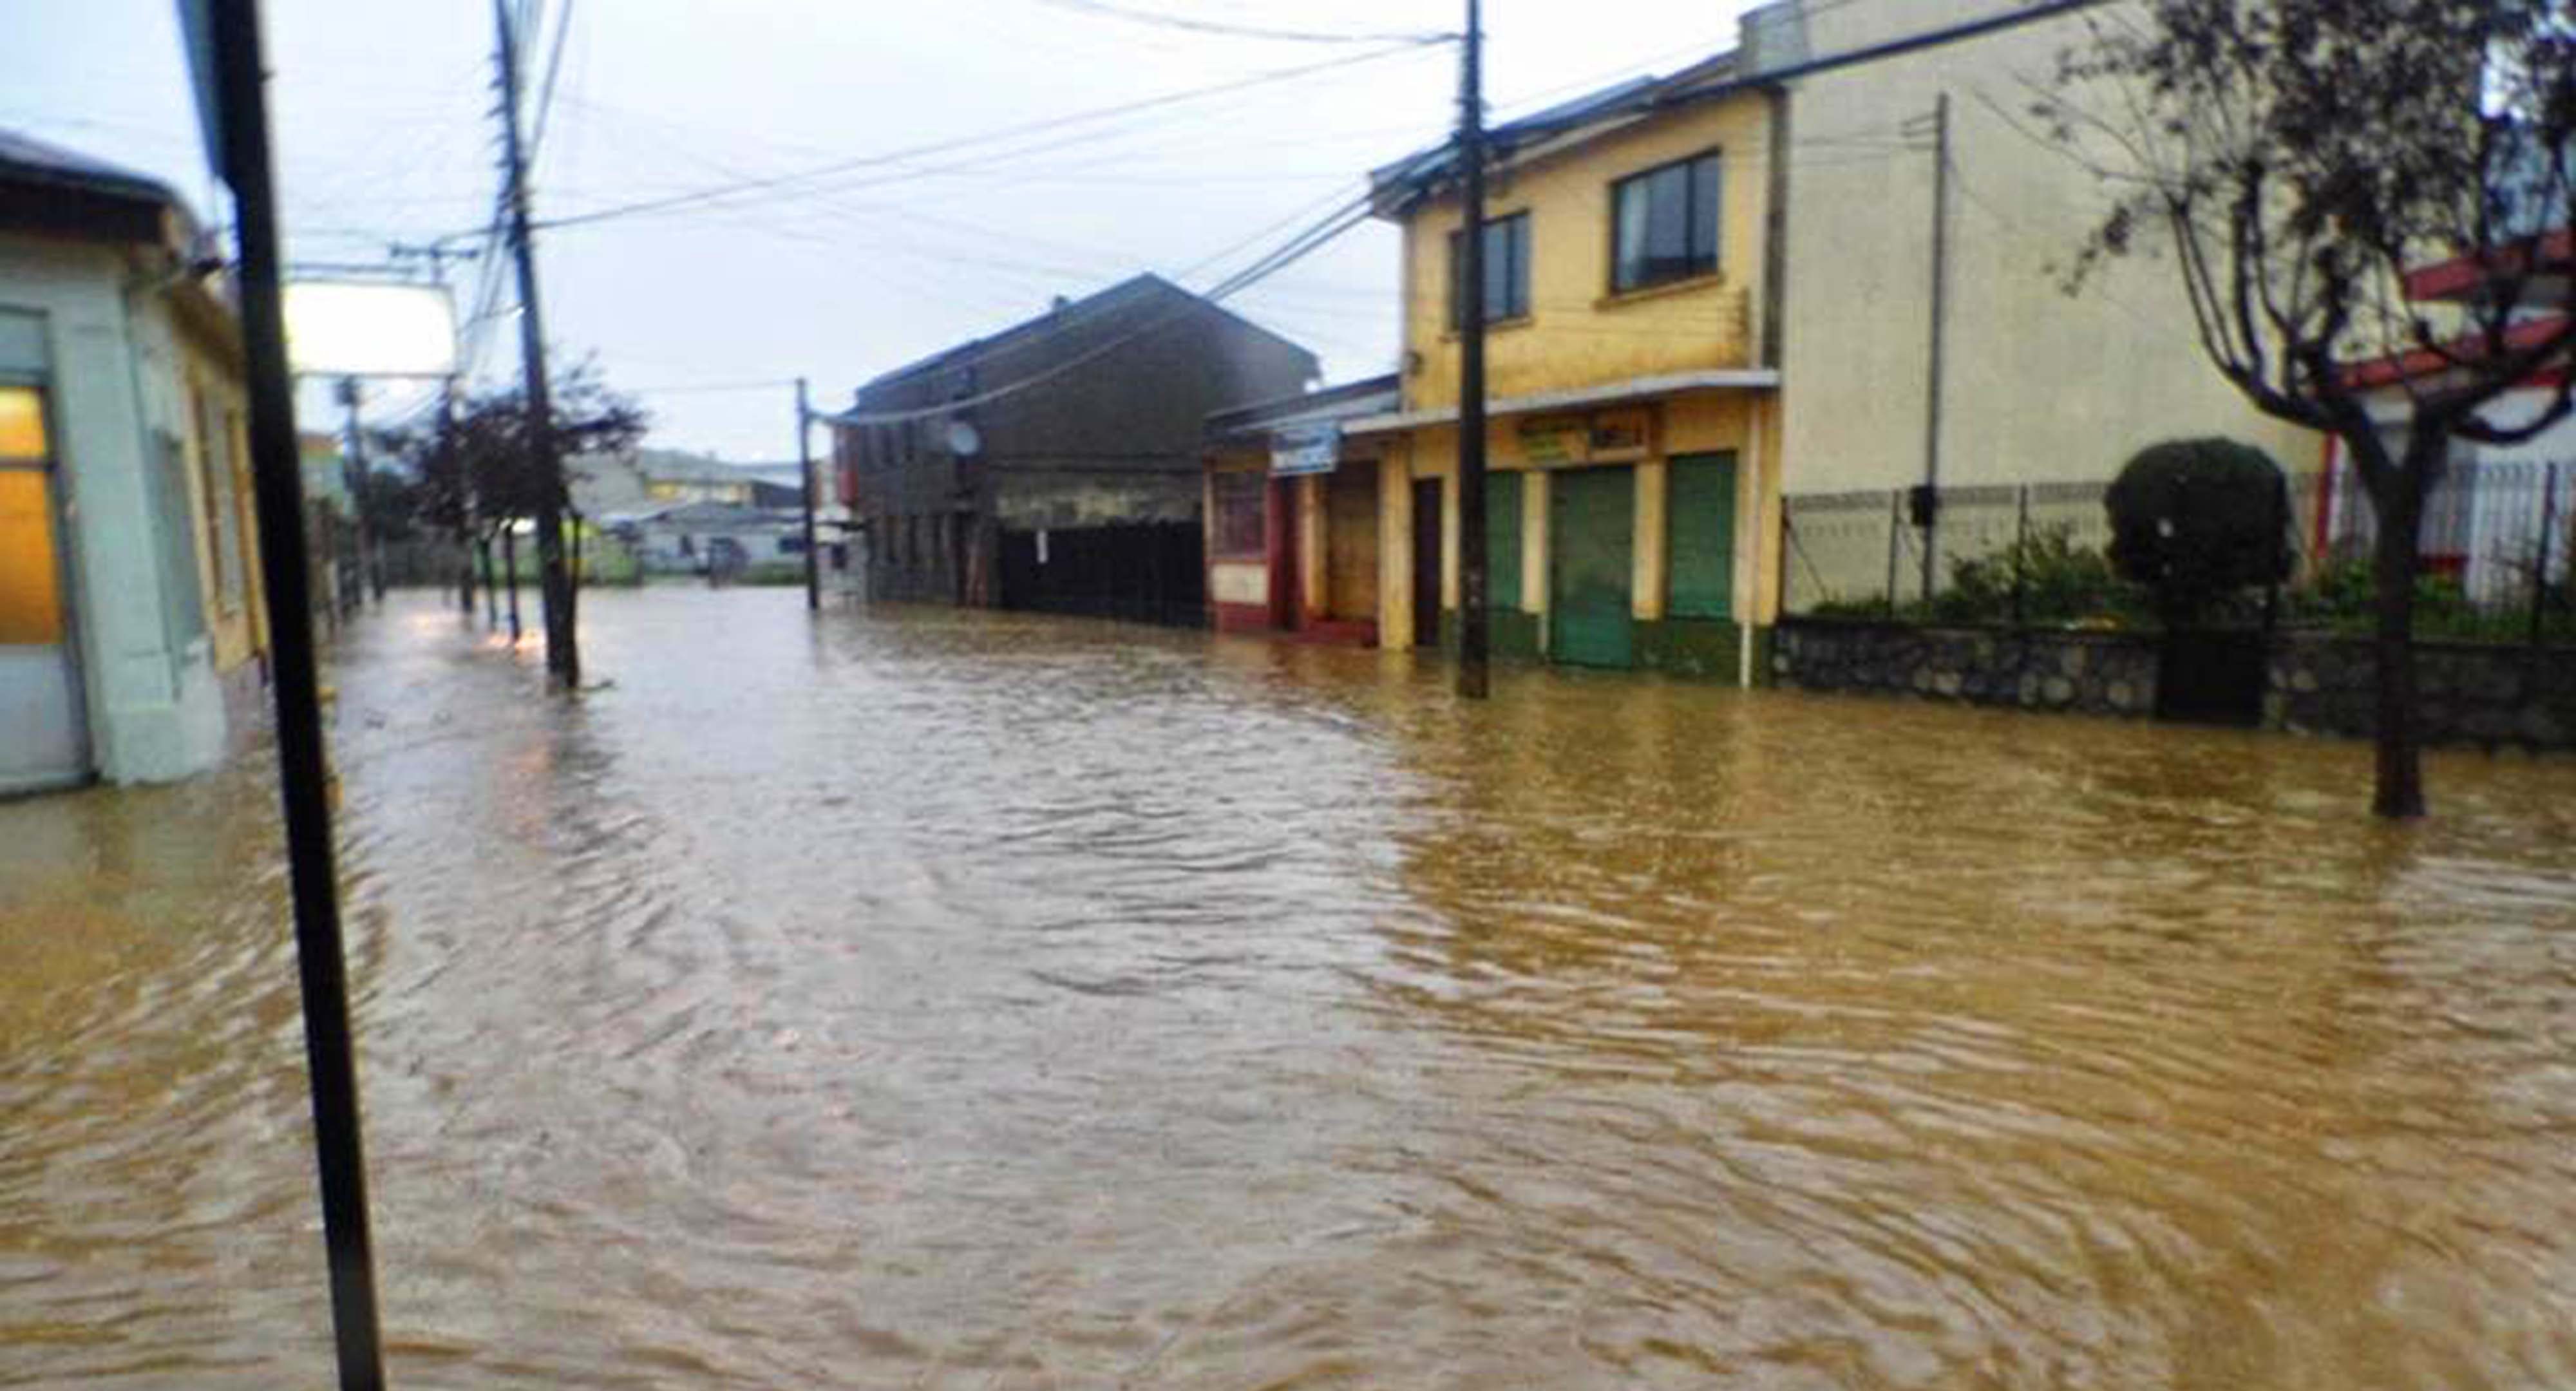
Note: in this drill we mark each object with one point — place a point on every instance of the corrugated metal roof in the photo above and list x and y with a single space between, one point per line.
26 160
1367 396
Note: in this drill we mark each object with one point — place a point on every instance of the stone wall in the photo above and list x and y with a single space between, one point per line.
2090 673
2469 693
2482 694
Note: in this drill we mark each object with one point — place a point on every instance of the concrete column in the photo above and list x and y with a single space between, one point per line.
1757 529
1450 584
1649 542
155 712
1312 517
1395 550
1534 509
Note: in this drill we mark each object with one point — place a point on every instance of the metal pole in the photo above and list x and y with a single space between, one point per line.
805 472
330 1052
1932 379
1475 633
2540 565
2021 552
563 655
1895 534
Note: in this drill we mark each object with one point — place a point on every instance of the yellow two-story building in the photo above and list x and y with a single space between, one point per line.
1632 435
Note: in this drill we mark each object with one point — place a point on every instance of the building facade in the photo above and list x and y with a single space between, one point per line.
1709 291
1292 515
1632 410
1056 465
133 631
2035 384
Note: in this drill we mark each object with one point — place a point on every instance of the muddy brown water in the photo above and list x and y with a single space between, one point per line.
940 1000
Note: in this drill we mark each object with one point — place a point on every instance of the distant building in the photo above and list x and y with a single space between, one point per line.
132 625
645 478
1292 517
1056 464
692 538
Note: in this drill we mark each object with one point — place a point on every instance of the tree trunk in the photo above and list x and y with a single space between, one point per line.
491 584
465 574
510 563
2399 790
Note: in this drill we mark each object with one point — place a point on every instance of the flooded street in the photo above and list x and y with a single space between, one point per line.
964 1000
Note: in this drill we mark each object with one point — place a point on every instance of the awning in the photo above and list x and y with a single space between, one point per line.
1609 393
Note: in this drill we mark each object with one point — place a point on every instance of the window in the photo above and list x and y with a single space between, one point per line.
1664 224
1507 269
215 470
1239 513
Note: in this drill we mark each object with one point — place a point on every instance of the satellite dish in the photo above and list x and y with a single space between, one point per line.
963 440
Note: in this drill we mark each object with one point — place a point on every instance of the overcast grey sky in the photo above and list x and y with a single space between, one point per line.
384 132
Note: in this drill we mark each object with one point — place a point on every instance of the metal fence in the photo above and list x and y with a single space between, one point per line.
2495 544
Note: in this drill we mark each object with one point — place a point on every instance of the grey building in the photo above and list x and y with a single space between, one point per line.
1056 465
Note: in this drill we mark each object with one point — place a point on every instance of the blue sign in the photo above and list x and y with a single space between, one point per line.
1305 449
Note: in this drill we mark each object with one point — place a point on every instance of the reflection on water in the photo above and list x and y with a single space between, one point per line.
957 1000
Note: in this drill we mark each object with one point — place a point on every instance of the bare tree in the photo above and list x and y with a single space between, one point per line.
478 476
2300 160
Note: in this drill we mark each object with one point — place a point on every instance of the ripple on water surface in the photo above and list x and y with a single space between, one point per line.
926 999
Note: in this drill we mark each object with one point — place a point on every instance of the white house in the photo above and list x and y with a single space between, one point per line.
133 634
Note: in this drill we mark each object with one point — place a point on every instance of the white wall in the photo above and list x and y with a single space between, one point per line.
155 712
2039 387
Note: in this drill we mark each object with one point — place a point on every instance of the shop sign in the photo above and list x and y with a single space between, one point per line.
1552 440
1305 449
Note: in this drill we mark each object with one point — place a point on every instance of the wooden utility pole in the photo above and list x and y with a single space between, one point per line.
805 473
554 579
1474 630
229 33
1929 511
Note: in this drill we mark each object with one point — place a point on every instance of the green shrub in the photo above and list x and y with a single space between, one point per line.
2058 580
2193 521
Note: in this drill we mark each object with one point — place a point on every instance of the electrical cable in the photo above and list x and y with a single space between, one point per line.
1304 244
1222 29
726 191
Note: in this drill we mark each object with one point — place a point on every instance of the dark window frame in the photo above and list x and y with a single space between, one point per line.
1235 496
1516 284
1696 262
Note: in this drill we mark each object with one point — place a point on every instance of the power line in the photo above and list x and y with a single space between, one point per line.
554 66
1304 244
706 388
719 192
1222 29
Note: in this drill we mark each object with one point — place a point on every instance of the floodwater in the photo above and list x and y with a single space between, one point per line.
941 1000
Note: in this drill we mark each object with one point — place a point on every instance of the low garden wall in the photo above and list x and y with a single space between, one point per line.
2034 669
2486 694
2467 692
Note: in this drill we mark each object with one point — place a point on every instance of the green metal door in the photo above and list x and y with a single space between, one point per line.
1700 510
1592 517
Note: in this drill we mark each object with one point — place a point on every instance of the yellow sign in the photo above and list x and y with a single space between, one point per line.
1550 441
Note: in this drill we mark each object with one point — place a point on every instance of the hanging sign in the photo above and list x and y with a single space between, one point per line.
1305 449
1551 440
1619 435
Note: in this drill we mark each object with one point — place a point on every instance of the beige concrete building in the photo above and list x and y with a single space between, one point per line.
2037 386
